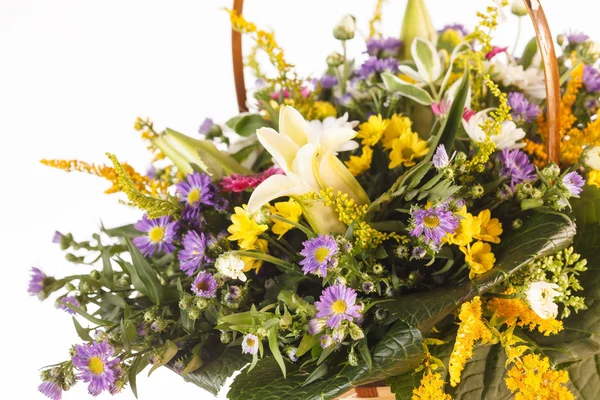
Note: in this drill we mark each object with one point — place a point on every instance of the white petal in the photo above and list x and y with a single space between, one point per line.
282 148
273 187
293 125
304 165
333 138
334 174
348 146
411 73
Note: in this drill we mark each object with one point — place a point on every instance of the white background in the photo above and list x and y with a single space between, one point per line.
74 75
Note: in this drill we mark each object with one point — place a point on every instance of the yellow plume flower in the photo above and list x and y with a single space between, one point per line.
289 210
532 378
432 388
359 164
470 330
245 229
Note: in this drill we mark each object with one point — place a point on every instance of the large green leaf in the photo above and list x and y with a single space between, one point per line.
212 375
247 124
398 352
406 89
456 112
143 277
584 378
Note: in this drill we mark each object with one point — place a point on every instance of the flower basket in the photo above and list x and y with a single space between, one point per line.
434 257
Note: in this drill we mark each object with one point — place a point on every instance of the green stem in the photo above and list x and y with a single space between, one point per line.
345 70
280 247
284 265
518 37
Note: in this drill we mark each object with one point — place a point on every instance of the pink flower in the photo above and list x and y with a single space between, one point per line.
468 114
495 51
440 108
238 183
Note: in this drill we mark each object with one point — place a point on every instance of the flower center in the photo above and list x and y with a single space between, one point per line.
321 254
407 154
156 234
202 286
194 196
250 342
96 365
431 221
339 307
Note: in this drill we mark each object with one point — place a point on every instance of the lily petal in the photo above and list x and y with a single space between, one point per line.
323 219
293 125
273 187
331 139
348 146
304 165
281 147
334 174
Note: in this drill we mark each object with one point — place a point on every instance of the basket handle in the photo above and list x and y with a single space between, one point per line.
545 45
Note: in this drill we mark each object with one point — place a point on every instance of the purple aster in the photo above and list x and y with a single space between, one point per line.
36 281
573 182
337 303
327 81
57 238
434 223
316 325
387 46
142 329
319 254
195 190
440 158
516 167
206 126
178 366
160 233
96 365
51 390
575 37
375 65
325 341
72 300
205 285
193 254
250 344
457 27
521 108
591 79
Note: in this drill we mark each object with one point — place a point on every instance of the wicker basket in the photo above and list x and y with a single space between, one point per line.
377 390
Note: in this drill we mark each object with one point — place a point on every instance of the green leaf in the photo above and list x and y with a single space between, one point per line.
274 346
402 386
426 59
139 363
530 50
212 375
128 332
122 231
107 271
170 351
306 344
455 114
143 277
89 317
194 364
396 85
586 208
246 125
584 378
83 333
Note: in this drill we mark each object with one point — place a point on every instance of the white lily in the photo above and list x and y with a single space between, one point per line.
310 164
507 138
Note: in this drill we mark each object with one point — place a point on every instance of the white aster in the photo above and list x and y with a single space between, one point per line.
540 296
250 344
231 265
530 81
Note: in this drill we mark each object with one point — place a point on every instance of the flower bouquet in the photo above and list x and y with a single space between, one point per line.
407 219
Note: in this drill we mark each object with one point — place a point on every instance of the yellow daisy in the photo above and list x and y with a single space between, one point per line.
370 132
359 164
490 229
244 228
479 257
468 228
594 178
289 210
406 149
253 263
398 125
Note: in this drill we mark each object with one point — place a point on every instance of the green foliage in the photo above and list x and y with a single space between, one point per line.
406 89
143 276
246 124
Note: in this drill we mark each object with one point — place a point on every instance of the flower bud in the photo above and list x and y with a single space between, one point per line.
325 341
95 275
124 280
69 286
368 287
352 358
194 313
518 8
338 335
355 332
316 325
150 315
225 337
344 30
460 158
551 171
291 353
335 59
560 39
517 223
416 23
381 314
377 269
401 251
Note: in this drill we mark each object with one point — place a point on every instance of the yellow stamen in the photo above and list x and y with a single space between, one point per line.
96 365
156 234
339 306
321 254
194 196
431 221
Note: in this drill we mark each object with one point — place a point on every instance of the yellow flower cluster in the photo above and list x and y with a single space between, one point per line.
359 164
351 213
482 227
142 183
320 110
395 134
289 210
432 388
532 378
146 129
252 263
471 329
573 139
594 178
517 312
376 19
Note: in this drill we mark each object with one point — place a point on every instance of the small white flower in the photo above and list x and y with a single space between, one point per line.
530 81
318 127
540 296
591 158
507 138
231 265
250 344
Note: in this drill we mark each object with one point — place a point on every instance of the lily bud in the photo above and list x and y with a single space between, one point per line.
518 8
416 23
345 29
